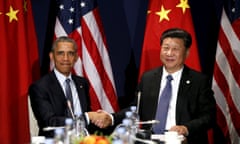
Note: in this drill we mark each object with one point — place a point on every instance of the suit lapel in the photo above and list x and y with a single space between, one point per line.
156 83
80 90
185 84
58 94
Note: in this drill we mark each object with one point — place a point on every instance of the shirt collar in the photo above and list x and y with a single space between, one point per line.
61 78
175 75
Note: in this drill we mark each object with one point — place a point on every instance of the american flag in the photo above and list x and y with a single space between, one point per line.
226 79
80 20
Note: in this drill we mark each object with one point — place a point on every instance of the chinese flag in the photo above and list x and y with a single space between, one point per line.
161 15
19 66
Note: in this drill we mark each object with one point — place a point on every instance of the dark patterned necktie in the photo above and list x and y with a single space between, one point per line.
163 105
69 93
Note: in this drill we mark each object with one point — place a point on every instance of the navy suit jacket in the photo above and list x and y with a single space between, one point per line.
49 102
195 107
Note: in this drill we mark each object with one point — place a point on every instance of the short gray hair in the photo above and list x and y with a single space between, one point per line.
64 39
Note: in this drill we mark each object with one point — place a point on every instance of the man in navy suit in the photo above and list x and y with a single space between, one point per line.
49 102
192 107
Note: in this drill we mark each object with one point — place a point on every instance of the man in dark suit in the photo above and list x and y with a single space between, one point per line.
48 96
192 107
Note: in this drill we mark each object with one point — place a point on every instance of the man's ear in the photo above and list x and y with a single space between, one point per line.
51 56
187 53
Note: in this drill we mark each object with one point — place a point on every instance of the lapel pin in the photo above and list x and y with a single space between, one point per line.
81 86
188 82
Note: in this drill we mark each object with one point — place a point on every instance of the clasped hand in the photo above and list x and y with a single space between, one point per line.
100 118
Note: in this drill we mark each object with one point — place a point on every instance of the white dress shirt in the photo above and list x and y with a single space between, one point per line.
171 117
76 102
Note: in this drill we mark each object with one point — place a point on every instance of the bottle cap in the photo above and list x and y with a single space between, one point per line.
133 108
59 131
68 121
119 141
121 130
49 141
128 114
127 122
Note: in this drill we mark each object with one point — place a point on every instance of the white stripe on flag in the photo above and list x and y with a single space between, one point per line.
59 30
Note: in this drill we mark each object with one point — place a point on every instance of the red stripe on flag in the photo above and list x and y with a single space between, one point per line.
222 124
223 84
99 23
226 48
236 27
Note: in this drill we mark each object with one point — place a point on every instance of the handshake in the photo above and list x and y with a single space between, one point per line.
100 118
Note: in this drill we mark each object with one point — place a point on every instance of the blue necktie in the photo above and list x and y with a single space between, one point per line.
69 92
163 105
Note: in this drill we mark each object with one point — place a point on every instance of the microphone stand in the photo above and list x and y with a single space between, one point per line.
70 109
138 101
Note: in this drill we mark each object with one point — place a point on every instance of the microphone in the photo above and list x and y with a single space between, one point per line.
148 122
70 108
138 100
52 128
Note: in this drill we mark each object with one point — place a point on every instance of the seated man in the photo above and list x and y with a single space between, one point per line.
60 94
190 109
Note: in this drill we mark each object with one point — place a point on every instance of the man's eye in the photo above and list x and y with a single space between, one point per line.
176 49
165 48
71 53
60 53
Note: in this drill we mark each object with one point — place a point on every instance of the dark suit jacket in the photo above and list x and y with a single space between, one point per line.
195 108
49 102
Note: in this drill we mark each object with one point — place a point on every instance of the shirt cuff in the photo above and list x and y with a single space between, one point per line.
87 118
111 118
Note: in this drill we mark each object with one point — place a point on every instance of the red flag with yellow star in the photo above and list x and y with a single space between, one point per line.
164 14
19 66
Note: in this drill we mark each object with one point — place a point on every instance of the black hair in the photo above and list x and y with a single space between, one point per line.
177 33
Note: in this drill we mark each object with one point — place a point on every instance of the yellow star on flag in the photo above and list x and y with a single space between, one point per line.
184 5
163 14
12 14
25 5
149 11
